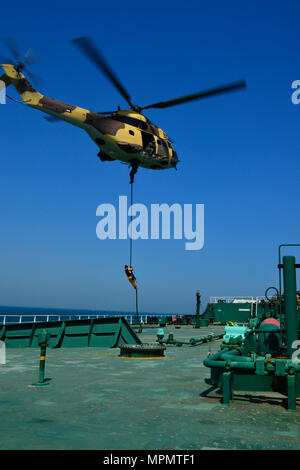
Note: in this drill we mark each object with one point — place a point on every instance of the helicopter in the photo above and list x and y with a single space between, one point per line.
126 135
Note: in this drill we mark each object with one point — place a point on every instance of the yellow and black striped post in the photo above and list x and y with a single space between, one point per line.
43 339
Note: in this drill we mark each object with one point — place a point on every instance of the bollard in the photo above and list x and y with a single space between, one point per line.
43 339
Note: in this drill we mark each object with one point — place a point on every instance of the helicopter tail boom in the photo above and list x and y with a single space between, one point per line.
31 97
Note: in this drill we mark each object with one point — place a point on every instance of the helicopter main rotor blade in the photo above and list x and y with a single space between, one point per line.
31 57
36 79
12 46
89 49
197 96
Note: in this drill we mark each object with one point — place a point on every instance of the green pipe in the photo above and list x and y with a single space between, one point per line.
217 361
295 367
291 383
290 302
215 364
192 341
212 359
279 262
221 358
195 341
198 303
227 389
231 357
197 322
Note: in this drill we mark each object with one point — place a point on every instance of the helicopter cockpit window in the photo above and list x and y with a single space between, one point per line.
130 120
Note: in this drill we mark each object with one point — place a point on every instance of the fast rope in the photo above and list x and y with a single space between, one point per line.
134 168
131 201
130 254
136 306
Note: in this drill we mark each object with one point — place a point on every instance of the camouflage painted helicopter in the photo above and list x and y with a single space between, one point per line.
125 135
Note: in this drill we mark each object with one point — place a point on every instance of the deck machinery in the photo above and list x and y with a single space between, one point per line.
265 355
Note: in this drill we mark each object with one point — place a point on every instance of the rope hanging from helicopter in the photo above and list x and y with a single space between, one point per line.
129 269
131 202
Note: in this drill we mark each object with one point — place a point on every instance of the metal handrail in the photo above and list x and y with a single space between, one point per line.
229 299
23 318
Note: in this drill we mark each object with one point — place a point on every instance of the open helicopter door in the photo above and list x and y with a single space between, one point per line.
148 142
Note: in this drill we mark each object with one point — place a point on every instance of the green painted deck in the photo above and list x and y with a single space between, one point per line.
96 400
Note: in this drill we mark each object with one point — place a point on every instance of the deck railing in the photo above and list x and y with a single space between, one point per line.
240 299
25 318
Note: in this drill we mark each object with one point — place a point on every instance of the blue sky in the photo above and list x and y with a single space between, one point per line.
239 152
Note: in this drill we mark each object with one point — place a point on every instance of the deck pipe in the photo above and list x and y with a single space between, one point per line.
222 359
191 342
227 359
197 319
290 302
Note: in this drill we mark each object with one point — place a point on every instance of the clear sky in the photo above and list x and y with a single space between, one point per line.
239 152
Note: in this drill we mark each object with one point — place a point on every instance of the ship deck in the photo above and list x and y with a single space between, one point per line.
97 400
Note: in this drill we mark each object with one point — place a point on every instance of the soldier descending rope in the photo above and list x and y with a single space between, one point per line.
130 275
